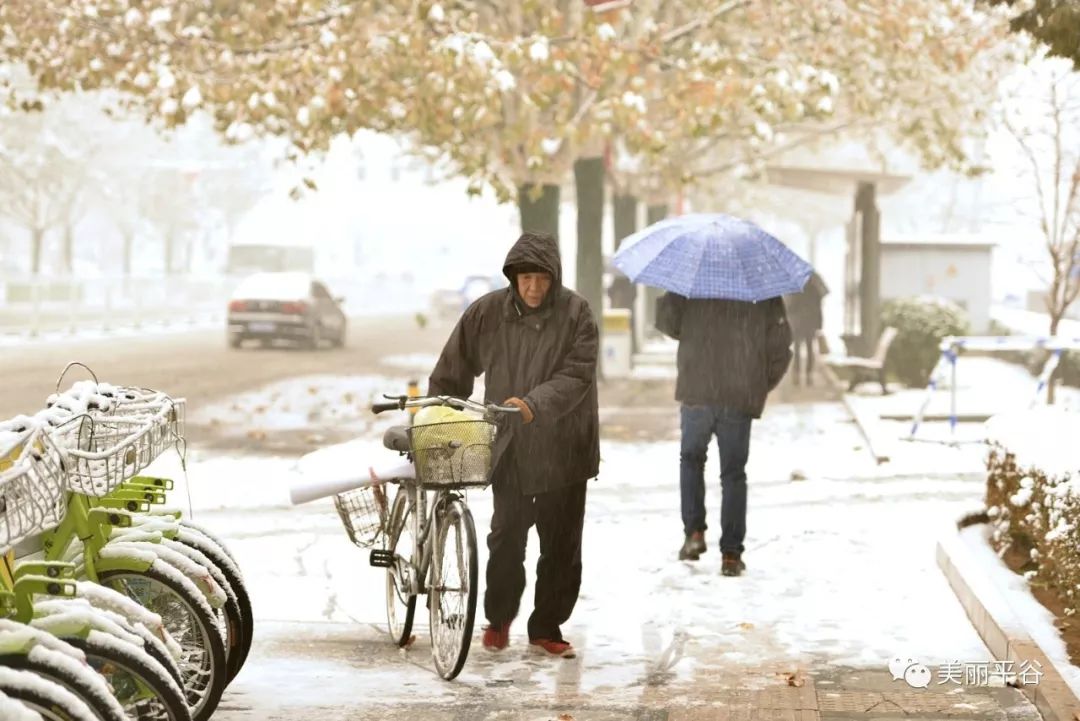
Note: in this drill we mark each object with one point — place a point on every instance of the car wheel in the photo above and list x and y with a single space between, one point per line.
339 342
315 339
234 340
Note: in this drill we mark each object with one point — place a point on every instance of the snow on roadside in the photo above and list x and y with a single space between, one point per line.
1038 621
302 403
422 362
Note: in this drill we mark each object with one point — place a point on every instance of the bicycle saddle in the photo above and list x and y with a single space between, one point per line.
396 438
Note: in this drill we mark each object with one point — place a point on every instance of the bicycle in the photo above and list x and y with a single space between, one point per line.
429 544
102 658
107 435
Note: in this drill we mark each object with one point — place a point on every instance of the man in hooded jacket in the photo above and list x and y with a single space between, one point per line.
536 343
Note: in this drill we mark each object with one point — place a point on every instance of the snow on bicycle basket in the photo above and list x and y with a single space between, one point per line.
31 483
103 451
109 433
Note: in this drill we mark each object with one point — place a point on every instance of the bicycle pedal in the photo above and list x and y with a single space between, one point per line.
381 558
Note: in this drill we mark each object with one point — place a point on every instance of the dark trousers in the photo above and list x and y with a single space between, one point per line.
796 363
559 516
732 431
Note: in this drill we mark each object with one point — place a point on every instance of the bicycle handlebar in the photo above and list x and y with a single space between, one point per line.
403 402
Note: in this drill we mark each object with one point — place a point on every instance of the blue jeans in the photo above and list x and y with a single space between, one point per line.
732 431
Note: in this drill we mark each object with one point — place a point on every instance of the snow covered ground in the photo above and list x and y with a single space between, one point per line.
841 566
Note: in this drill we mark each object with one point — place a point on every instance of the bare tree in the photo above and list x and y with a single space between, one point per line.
40 179
1045 128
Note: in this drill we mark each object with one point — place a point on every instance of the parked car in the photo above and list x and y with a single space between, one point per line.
285 306
449 303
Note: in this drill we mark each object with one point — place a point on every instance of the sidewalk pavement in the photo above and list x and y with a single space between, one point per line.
842 576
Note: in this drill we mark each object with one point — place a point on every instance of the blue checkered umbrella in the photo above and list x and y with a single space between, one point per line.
712 255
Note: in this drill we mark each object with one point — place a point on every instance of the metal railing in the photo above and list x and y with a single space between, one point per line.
57 306
31 307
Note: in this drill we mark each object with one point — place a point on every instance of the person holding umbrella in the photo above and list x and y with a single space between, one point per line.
725 279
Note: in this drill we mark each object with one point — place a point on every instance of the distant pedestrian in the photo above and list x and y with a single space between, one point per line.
731 354
805 316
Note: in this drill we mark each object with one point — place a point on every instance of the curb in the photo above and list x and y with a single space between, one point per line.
879 444
1001 630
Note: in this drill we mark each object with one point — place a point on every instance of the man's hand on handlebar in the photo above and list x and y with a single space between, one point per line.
523 407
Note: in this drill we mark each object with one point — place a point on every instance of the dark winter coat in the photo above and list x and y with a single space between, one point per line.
804 309
547 357
731 353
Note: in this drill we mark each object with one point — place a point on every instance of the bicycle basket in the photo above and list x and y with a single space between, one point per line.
31 489
363 513
452 455
102 452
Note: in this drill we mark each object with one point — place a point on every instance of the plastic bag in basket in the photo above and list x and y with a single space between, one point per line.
436 457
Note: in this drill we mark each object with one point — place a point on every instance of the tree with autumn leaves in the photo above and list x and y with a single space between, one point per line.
520 97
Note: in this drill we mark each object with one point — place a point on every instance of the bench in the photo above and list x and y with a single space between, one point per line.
856 369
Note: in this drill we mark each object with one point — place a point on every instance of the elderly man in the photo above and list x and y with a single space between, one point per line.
536 343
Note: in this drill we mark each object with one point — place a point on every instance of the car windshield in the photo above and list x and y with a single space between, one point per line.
274 286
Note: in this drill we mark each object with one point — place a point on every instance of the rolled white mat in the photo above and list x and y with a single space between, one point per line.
312 486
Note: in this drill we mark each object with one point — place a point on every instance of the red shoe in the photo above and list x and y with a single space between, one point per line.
496 638
555 648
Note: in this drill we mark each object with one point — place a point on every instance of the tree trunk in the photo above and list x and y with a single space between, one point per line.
653 214
69 249
624 215
623 290
539 215
589 182
1055 321
870 276
37 242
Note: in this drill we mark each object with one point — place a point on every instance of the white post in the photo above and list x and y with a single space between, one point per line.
935 377
1047 371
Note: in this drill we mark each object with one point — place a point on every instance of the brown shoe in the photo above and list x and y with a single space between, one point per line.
693 547
496 638
555 648
732 564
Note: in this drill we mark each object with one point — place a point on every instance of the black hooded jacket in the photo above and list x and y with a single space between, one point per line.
547 357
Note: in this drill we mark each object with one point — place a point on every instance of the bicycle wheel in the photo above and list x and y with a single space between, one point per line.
142 686
229 616
452 590
190 621
51 701
68 672
401 540
212 549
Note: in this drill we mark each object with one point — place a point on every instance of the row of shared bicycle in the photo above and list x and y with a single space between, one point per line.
113 606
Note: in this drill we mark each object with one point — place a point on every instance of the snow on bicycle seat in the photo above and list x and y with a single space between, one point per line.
396 438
